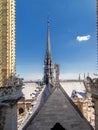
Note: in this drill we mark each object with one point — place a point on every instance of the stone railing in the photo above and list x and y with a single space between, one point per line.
12 92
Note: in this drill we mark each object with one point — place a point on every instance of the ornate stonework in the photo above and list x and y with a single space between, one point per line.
85 105
9 95
92 84
56 67
12 91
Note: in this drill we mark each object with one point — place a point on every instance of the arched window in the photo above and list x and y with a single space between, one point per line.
21 110
58 126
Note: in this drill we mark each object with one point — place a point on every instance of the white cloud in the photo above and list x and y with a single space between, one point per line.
83 38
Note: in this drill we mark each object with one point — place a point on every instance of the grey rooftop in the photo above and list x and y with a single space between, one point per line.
59 109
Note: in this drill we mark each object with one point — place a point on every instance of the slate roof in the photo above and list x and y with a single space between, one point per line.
59 109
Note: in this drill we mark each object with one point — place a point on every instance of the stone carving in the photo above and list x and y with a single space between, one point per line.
88 82
12 86
56 67
12 81
91 84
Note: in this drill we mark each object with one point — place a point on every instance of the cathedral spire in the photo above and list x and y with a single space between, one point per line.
48 64
48 39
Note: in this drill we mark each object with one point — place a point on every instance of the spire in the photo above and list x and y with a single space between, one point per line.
48 38
48 64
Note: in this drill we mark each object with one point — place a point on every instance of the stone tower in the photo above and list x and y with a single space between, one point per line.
97 29
48 63
7 39
10 85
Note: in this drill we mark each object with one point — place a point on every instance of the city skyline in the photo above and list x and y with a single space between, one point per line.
73 37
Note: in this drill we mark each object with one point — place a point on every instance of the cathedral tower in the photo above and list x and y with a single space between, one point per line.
7 39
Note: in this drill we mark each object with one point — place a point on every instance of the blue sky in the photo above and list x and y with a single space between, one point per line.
73 36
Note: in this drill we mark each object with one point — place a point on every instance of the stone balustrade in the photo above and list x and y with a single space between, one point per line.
11 92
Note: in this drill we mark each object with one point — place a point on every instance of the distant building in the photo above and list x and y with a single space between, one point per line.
7 39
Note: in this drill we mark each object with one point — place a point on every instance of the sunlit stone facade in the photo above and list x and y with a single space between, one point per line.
7 39
92 87
85 105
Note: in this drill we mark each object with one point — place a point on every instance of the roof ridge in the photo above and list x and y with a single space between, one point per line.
73 104
48 91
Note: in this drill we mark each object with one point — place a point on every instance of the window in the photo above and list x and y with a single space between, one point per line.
21 110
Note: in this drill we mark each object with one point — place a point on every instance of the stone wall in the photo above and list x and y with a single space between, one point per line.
8 117
11 118
2 117
86 107
96 115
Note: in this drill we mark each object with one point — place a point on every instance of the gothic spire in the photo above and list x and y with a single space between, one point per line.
48 39
48 64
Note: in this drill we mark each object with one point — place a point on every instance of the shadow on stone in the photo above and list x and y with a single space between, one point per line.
58 126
